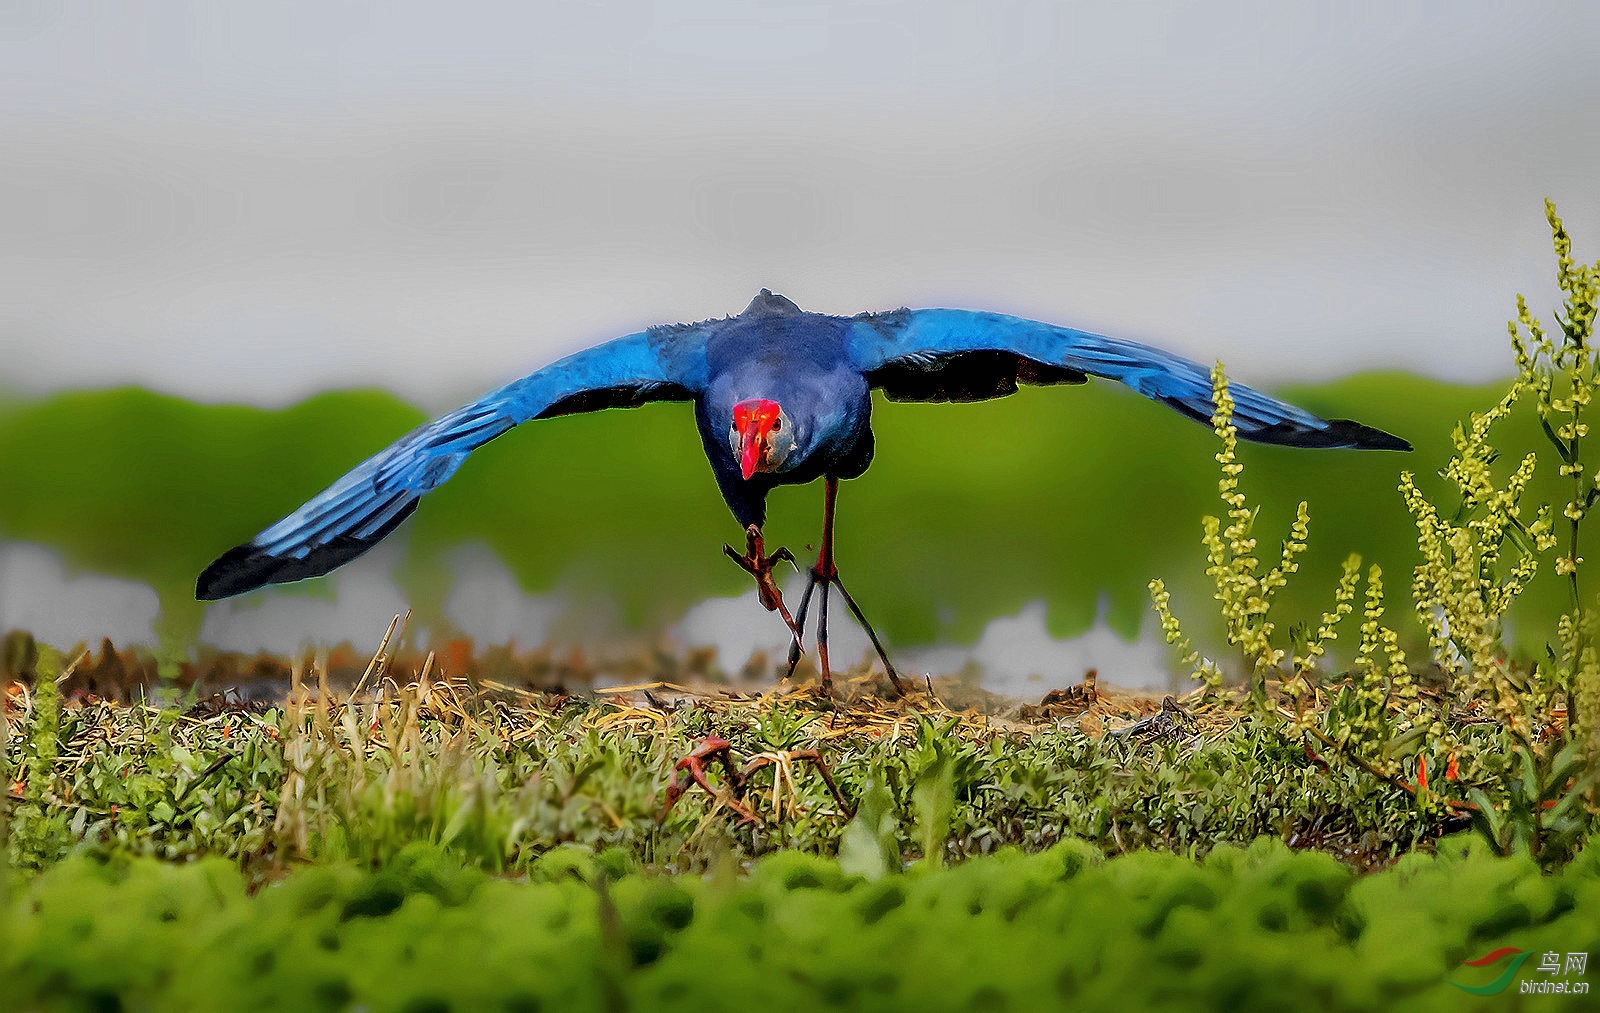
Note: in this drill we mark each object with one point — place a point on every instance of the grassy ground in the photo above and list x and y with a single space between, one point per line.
459 832
503 774
433 843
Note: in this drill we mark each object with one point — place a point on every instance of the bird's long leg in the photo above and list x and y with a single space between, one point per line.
872 634
759 565
826 574
822 638
795 647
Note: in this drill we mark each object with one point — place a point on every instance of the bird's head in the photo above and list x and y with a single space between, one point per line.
762 435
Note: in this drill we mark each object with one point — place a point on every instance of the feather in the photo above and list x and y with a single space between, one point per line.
947 355
374 497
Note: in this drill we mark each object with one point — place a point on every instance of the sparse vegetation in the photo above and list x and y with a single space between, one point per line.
1518 752
502 776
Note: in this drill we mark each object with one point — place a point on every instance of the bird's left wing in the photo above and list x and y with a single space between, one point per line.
964 355
370 501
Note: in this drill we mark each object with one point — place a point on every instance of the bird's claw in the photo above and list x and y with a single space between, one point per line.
759 565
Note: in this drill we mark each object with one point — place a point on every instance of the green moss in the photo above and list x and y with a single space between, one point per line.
1004 932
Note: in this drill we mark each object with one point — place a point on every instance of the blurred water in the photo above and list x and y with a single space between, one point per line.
1015 656
486 604
39 593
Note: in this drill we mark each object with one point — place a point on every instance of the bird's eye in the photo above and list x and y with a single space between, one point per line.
777 424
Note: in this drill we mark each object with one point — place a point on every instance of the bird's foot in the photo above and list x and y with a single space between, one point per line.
759 565
691 770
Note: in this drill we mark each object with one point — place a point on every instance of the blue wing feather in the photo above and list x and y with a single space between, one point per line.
889 345
370 501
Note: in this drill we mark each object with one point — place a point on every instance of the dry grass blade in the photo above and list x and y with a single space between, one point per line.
380 658
73 667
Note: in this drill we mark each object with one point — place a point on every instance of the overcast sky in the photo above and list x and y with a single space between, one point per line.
251 201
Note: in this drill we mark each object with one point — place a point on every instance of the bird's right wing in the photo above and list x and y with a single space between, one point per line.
358 510
964 355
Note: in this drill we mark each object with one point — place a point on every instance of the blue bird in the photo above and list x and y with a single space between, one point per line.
781 397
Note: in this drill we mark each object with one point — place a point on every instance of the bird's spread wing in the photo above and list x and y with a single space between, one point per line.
962 355
357 511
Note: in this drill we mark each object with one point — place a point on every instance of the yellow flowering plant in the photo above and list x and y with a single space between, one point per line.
1561 376
1477 562
1359 723
1243 591
1530 788
1467 580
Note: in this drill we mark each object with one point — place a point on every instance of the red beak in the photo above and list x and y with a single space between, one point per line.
755 419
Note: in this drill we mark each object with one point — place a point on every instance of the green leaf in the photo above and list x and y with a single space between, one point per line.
185 758
1486 820
582 775
869 846
933 799
1530 770
1406 743
1566 766
458 822
1561 445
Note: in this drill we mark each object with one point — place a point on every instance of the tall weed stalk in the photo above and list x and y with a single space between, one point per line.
1520 743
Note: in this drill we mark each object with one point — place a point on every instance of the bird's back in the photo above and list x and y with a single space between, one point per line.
774 339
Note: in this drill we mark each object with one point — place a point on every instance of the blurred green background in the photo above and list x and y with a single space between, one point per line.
1074 495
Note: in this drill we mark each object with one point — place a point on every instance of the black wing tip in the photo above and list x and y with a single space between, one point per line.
1333 434
246 567
1360 437
240 569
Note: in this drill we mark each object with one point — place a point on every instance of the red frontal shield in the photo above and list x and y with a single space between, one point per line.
755 420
